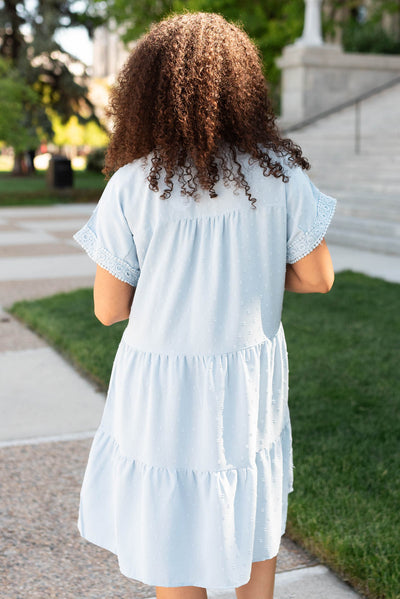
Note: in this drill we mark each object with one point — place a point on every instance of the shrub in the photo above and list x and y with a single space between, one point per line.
95 160
369 37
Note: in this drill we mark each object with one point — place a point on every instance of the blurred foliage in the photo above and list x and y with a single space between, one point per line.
27 41
74 133
20 107
369 37
95 160
372 27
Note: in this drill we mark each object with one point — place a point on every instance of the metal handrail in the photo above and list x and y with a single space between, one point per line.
339 107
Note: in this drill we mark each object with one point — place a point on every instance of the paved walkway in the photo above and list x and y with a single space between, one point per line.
48 415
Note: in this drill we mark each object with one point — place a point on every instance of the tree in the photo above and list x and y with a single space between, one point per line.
27 41
76 134
17 101
365 27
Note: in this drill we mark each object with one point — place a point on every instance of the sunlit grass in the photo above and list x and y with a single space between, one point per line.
33 189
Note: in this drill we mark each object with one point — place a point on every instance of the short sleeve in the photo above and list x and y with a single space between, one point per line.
107 237
309 213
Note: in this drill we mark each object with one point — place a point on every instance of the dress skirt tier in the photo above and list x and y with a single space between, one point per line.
189 471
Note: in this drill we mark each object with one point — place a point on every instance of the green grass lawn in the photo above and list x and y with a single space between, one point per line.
33 189
345 408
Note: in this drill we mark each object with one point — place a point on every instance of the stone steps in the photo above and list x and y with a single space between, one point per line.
371 243
366 185
365 233
377 212
367 226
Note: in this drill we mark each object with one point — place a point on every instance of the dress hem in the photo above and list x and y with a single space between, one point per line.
179 584
108 536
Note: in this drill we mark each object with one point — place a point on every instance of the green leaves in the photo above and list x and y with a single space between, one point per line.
39 74
20 118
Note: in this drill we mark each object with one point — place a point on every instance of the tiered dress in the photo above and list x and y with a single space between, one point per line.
189 471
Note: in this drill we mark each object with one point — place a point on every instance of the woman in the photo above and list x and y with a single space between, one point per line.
207 218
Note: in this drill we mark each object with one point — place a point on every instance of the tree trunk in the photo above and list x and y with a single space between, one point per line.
31 164
20 167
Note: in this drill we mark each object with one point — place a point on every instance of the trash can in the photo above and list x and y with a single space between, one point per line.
59 173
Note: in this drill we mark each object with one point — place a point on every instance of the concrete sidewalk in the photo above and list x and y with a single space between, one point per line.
48 415
315 582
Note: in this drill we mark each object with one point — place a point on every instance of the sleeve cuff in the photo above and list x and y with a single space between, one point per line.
306 242
115 266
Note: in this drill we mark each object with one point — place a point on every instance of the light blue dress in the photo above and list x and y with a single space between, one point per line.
189 472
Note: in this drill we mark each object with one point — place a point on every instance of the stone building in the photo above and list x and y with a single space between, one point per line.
109 54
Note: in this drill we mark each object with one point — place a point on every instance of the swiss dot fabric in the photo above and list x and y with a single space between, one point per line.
189 471
107 237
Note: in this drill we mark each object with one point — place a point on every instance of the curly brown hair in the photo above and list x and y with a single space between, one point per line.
192 93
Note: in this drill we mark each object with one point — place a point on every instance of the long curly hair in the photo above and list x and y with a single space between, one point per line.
193 94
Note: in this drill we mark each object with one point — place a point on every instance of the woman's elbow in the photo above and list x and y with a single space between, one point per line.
112 298
327 283
318 284
108 317
105 318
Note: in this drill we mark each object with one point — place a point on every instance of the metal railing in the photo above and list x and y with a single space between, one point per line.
356 102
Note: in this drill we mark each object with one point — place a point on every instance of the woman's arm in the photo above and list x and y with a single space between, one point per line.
313 273
112 297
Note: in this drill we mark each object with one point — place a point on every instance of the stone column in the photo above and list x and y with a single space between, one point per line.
312 31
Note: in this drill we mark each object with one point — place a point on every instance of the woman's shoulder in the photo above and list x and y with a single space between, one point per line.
135 168
126 183
272 185
250 163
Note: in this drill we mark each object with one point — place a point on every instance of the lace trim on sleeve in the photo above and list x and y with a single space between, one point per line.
309 240
117 267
